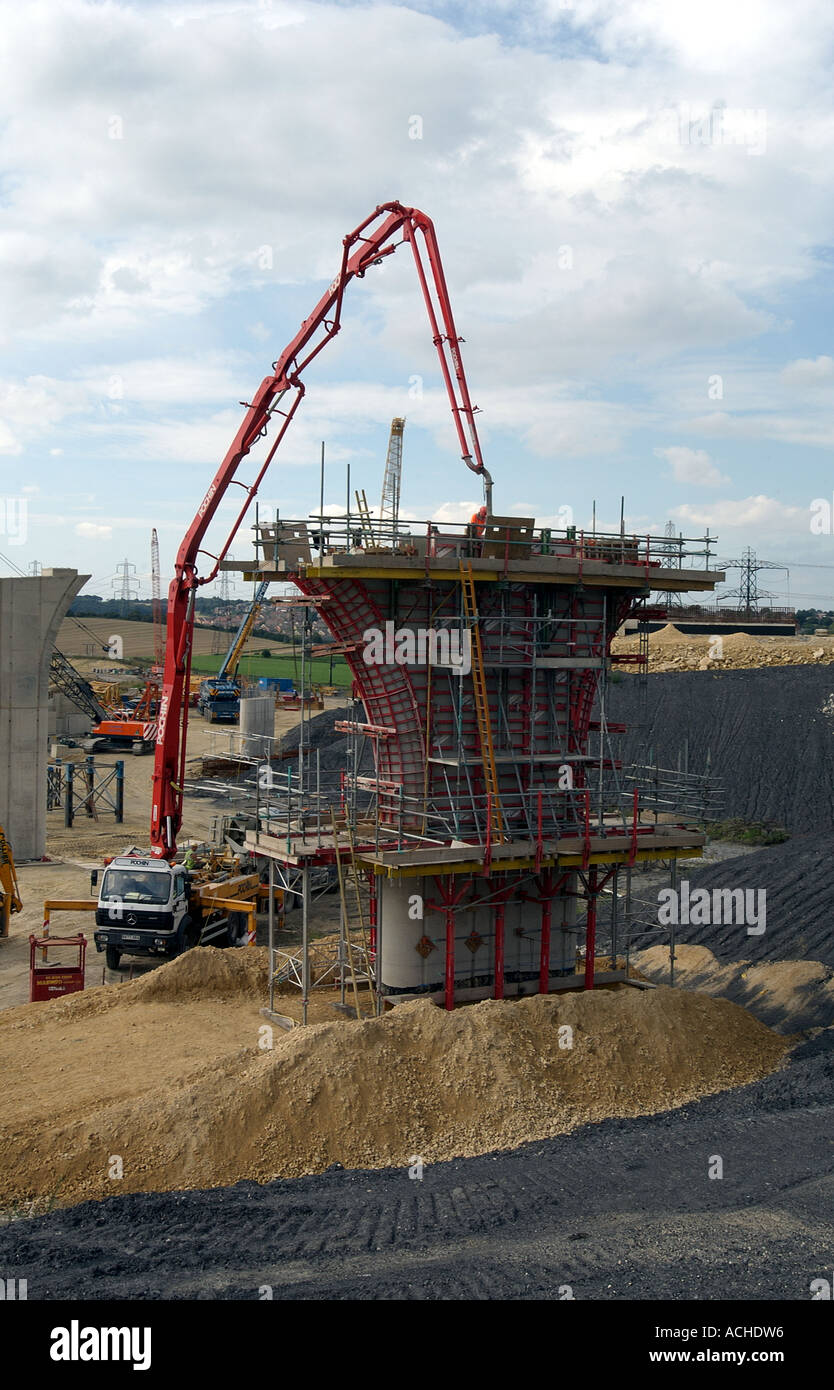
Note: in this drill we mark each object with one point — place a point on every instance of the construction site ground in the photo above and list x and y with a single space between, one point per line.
621 1209
294 1166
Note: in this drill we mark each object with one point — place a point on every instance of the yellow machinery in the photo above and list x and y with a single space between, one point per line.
9 891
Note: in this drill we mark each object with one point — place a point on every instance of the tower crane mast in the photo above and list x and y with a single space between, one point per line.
389 507
156 599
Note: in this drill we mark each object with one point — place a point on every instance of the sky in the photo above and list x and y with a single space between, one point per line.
633 203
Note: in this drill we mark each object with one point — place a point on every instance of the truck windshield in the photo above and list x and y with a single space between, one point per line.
133 886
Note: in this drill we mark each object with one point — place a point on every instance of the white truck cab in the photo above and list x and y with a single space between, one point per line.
143 909
148 907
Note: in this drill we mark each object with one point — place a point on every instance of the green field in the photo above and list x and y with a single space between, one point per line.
317 671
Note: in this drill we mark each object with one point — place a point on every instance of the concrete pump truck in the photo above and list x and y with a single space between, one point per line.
151 903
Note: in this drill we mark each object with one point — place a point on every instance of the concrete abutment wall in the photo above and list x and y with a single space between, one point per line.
31 610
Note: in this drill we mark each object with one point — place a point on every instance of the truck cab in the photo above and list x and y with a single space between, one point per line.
149 907
143 909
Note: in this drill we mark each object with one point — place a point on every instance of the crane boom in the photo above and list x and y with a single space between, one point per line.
228 670
362 248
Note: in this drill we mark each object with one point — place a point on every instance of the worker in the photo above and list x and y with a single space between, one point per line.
478 521
477 526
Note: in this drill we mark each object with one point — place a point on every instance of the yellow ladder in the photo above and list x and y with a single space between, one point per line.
365 517
470 606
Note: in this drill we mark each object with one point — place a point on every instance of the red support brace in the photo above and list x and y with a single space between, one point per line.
450 957
544 956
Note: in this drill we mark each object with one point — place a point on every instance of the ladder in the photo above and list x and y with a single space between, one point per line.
470 607
365 517
351 920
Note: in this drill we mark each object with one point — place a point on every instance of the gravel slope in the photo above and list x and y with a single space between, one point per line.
771 741
798 879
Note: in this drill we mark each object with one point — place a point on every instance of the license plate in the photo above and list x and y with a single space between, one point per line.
126 937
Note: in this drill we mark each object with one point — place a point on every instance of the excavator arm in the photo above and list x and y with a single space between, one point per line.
279 395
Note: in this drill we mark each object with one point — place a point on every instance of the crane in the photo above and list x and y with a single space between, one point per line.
235 652
389 507
156 597
366 246
220 694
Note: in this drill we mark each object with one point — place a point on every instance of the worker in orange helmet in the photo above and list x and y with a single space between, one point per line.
478 521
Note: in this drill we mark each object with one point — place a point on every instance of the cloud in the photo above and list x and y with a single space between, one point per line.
603 262
751 513
93 530
809 372
816 431
8 443
155 227
692 466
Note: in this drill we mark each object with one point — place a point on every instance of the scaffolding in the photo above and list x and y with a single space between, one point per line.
480 762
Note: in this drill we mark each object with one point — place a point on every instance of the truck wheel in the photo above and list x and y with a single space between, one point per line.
138 748
190 935
113 957
237 931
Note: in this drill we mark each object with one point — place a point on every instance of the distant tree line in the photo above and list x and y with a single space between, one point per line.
141 610
810 618
225 613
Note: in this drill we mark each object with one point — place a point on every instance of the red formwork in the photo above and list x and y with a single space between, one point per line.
430 786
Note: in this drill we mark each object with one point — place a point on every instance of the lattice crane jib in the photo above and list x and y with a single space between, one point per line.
389 507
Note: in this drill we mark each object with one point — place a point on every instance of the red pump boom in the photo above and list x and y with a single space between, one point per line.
362 248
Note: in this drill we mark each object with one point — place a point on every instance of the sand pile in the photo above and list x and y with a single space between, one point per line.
788 995
203 974
673 650
178 1087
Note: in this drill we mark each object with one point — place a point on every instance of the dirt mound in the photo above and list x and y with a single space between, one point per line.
788 995
207 973
199 974
668 636
670 649
180 1090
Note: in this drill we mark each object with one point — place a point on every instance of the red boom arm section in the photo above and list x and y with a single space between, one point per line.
362 248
